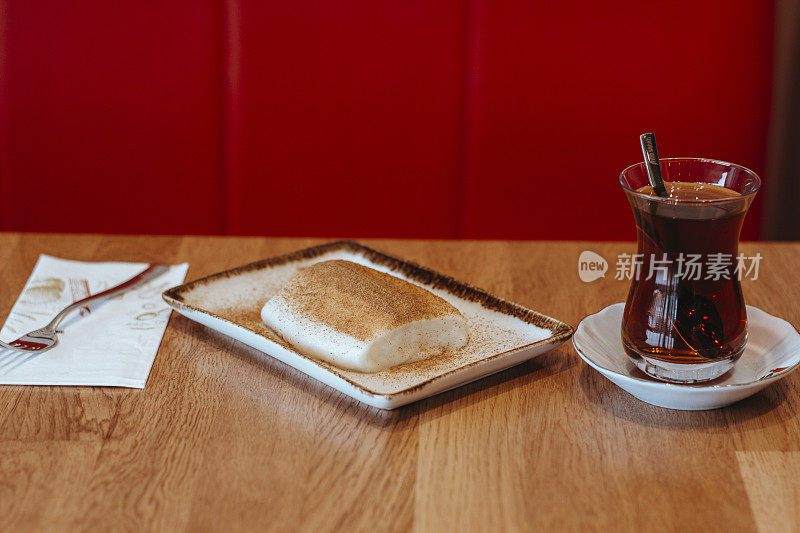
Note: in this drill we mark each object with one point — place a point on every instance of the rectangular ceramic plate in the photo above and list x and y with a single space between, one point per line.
502 333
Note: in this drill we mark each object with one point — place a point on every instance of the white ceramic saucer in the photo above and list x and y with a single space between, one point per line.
772 352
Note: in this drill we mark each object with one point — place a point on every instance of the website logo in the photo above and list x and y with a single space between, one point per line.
591 266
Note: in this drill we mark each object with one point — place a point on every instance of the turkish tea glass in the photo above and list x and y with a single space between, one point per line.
685 319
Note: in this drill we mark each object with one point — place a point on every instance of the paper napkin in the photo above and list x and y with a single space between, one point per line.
113 342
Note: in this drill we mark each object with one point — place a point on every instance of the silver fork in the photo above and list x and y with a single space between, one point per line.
42 339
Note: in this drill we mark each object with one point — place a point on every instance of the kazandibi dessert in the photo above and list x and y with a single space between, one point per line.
358 318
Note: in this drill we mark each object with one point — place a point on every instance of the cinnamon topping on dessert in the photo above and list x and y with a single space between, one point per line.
359 301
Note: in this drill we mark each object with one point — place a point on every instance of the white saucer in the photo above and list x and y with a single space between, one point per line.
772 352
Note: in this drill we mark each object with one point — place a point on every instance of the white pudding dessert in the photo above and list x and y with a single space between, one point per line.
358 318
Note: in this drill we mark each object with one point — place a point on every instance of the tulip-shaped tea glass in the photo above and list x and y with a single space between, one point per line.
685 319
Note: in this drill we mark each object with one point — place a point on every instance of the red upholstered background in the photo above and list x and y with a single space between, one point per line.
478 119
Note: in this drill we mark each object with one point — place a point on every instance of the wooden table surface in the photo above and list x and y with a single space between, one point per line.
225 438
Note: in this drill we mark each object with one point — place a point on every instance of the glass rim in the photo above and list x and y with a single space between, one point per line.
705 201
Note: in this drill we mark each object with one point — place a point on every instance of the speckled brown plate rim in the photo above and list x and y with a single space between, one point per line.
560 330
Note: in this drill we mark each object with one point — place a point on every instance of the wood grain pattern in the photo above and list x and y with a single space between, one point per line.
770 478
225 438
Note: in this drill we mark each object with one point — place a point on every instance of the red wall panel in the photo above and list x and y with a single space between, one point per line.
348 118
487 119
561 93
112 116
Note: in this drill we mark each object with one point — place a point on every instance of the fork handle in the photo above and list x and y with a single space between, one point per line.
151 272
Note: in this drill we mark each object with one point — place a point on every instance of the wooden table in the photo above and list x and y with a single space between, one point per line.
223 437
